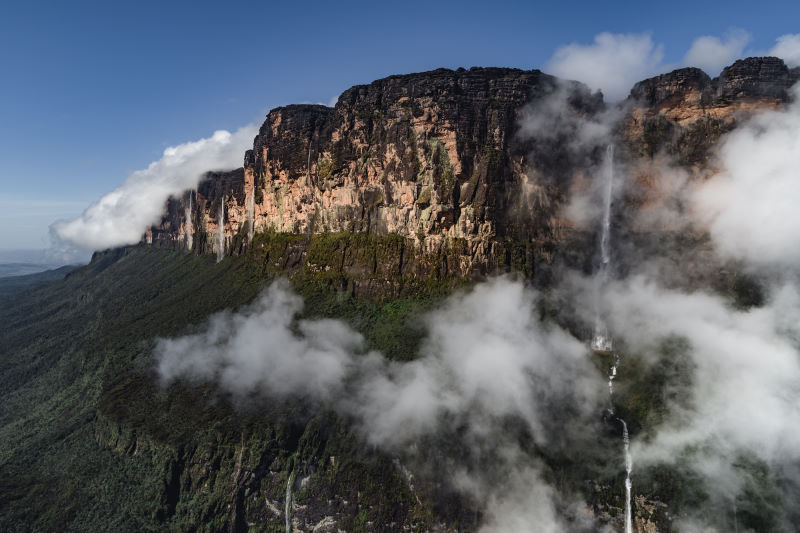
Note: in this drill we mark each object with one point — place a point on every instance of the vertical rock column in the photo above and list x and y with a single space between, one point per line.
249 194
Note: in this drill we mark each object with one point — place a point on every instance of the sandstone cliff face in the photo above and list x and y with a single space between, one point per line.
428 156
670 126
432 157
437 159
684 112
192 221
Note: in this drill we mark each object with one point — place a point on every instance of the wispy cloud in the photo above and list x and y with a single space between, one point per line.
711 53
121 216
751 205
487 358
788 49
612 63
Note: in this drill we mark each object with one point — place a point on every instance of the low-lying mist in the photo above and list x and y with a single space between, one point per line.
486 359
750 206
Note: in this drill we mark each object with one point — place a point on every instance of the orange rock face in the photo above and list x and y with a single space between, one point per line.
438 157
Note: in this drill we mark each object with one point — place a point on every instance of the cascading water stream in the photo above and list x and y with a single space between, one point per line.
189 229
288 504
611 376
605 238
626 445
628 470
221 231
601 340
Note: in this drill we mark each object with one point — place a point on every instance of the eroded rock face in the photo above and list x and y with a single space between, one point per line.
429 156
199 231
437 158
684 112
671 124
671 88
754 77
757 78
432 157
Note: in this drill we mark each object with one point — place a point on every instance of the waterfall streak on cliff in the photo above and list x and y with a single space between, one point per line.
611 376
628 470
221 231
605 240
288 504
601 341
189 229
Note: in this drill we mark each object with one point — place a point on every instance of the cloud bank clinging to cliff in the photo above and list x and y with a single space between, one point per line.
751 205
613 63
711 54
486 359
788 49
486 355
745 372
121 216
255 350
736 398
733 392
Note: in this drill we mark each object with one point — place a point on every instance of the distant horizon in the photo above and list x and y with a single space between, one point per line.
36 256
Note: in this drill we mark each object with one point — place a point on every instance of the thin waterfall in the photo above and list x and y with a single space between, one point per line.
626 447
189 230
605 240
221 231
288 504
628 470
601 340
611 376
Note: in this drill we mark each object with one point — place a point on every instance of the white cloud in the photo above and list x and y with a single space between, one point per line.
751 205
788 49
256 351
526 503
712 54
486 355
486 359
121 216
744 378
613 63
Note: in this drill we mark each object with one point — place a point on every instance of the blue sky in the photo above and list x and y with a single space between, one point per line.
92 91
